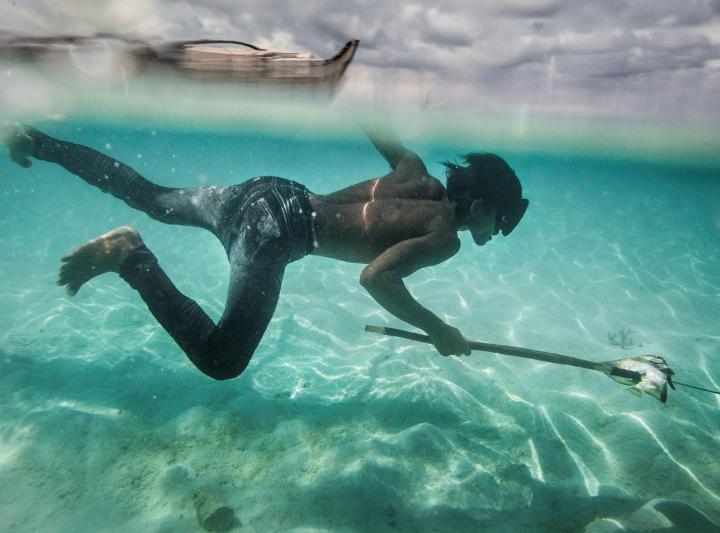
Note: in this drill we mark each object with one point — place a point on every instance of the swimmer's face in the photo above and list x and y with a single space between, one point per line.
481 222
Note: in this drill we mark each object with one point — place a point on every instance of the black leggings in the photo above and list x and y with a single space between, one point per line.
263 224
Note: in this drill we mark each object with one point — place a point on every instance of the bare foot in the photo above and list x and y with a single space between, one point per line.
20 143
103 254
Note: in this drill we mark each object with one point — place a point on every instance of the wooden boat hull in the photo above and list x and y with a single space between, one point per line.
202 59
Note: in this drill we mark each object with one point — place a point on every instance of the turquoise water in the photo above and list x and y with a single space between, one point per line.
105 425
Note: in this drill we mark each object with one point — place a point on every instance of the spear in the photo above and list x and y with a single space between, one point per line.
644 373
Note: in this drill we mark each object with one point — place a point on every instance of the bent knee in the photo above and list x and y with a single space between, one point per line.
222 370
222 375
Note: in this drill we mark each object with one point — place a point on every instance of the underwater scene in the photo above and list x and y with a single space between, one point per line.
106 425
257 343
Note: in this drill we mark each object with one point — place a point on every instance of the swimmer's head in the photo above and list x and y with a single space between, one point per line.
487 195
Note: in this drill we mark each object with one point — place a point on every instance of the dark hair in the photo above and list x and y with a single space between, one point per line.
487 177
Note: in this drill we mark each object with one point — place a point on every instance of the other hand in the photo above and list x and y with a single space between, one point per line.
449 341
20 144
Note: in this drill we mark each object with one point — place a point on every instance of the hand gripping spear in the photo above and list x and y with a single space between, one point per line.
645 373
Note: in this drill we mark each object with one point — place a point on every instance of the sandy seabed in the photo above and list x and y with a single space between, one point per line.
105 426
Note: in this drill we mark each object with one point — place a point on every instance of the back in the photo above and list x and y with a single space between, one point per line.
361 221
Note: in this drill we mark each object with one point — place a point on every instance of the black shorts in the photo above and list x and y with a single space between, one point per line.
264 224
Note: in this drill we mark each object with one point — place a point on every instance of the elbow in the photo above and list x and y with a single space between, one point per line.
367 279
222 376
372 279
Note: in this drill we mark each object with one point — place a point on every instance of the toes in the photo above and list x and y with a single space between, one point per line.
65 274
76 252
70 256
22 161
72 278
72 286
72 289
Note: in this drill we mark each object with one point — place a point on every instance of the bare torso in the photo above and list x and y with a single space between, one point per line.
396 225
359 223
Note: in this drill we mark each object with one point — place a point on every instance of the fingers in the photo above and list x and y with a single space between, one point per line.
449 341
447 351
458 348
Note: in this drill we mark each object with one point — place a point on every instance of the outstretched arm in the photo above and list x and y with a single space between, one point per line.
383 279
393 150
408 179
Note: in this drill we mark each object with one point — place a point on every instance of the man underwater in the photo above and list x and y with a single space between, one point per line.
395 224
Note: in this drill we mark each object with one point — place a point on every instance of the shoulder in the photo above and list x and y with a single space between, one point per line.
413 181
434 188
442 242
